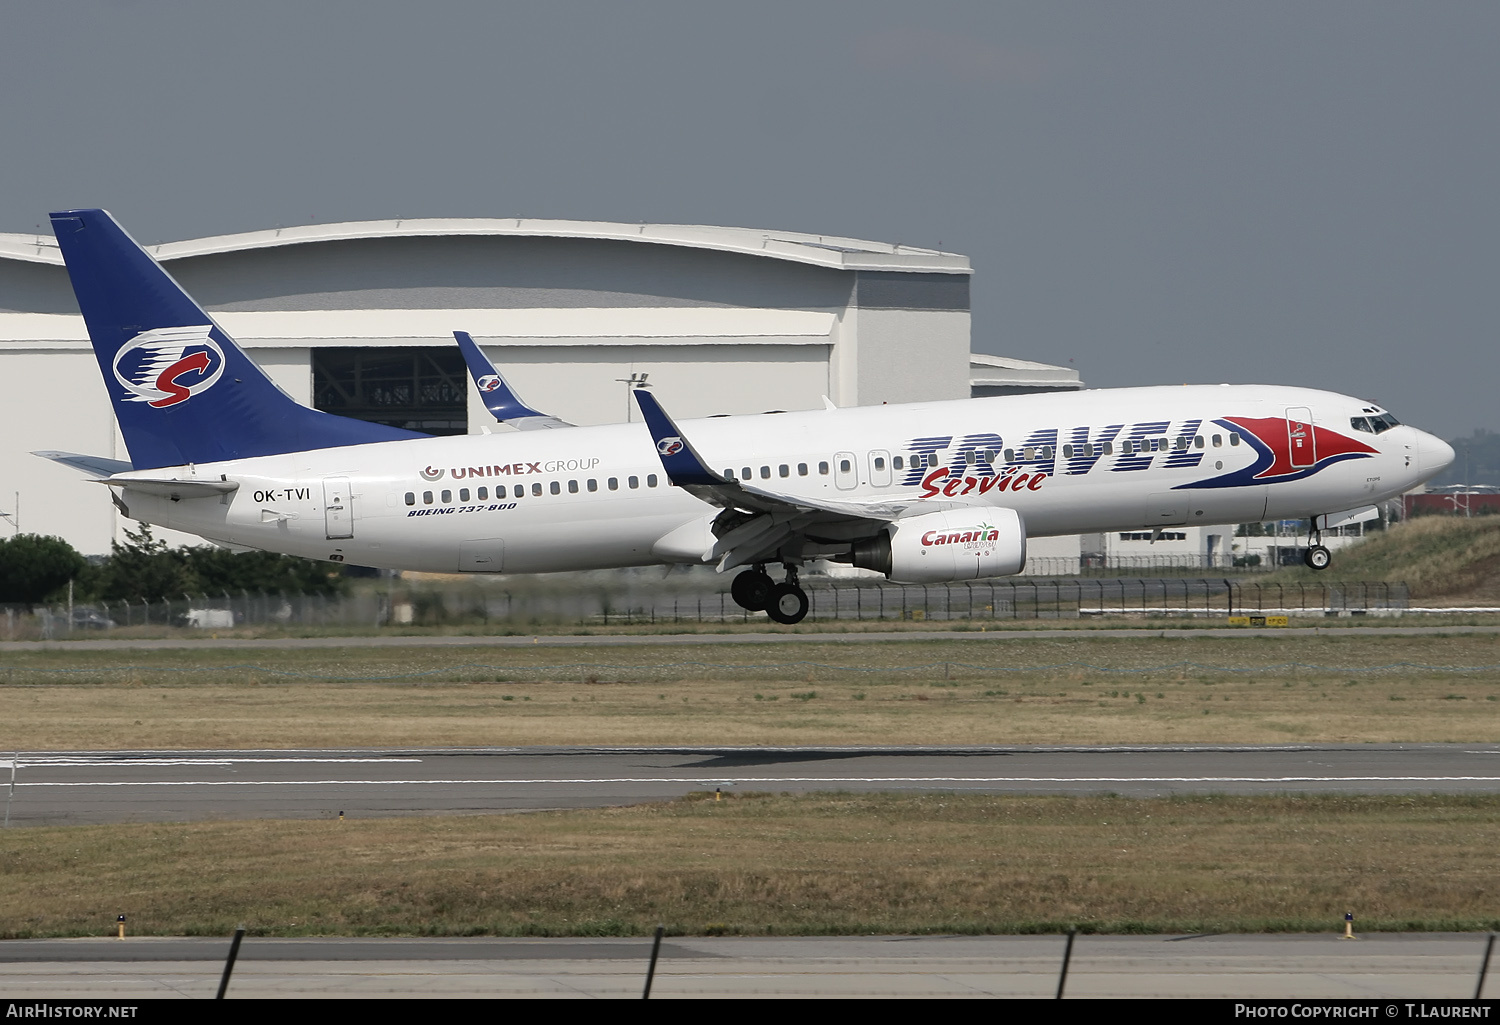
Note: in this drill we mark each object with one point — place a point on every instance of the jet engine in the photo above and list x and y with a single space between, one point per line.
933 548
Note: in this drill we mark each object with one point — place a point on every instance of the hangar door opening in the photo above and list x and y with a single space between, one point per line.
416 387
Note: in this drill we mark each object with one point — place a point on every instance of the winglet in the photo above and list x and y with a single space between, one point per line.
683 464
498 396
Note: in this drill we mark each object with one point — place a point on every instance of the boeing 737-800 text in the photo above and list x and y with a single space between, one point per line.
925 492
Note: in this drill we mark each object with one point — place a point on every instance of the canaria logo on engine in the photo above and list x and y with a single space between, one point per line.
168 365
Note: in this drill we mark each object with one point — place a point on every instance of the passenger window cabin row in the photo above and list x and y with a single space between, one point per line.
784 470
1086 450
482 494
973 457
1132 446
918 460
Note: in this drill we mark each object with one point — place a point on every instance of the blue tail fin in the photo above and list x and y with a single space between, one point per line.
183 391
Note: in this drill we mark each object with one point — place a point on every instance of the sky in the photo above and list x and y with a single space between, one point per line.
1150 192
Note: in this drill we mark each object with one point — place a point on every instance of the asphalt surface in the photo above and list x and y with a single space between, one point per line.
998 636
143 786
1441 969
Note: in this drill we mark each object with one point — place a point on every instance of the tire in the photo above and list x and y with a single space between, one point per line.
751 590
1318 558
788 604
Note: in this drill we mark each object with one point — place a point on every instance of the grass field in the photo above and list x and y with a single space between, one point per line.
1443 559
824 864
772 864
1257 688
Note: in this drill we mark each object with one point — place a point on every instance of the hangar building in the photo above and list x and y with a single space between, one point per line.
357 319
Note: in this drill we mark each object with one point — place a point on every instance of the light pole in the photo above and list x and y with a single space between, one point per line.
1468 486
631 383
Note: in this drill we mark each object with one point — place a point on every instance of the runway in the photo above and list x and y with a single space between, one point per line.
1441 969
999 635
148 786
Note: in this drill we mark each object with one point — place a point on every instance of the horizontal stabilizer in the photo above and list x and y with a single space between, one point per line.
171 487
99 466
498 396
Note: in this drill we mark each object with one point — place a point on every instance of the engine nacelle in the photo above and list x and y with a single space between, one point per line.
933 548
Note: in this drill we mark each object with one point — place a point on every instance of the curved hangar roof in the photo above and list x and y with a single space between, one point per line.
797 247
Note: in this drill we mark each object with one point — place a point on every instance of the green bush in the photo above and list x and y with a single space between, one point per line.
145 568
33 567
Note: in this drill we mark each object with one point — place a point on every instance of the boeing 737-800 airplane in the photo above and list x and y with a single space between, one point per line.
926 492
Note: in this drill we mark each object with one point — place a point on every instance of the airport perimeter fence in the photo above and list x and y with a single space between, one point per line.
1019 598
1159 564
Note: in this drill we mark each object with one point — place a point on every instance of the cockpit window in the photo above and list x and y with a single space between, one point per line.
1378 424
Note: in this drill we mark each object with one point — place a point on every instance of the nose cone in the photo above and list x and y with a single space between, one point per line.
1433 454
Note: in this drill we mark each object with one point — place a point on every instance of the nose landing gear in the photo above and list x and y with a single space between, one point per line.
1317 557
785 603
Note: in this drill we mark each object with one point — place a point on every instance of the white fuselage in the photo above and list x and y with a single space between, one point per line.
597 497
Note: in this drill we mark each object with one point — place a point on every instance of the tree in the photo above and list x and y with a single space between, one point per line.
216 570
144 568
33 566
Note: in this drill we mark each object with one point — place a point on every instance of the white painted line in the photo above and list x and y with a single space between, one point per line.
128 763
748 780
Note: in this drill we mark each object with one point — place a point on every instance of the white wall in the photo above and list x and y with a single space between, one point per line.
55 400
289 366
744 352
904 356
582 384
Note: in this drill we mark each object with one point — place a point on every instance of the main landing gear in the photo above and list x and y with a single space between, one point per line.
1317 557
785 602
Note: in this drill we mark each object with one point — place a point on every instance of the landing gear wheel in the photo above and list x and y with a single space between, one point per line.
751 590
788 604
1318 557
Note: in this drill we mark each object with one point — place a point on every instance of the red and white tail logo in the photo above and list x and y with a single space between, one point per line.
168 365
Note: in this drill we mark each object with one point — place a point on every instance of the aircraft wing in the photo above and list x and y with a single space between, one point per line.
499 398
769 519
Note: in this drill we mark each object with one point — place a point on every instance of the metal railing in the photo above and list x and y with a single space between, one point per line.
1009 599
